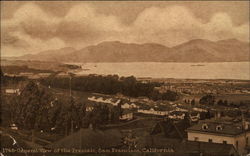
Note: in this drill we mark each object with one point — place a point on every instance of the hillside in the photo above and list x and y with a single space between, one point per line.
200 50
197 50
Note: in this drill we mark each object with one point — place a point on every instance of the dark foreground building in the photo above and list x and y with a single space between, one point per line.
112 138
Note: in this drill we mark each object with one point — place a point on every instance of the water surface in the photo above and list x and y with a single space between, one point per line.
223 70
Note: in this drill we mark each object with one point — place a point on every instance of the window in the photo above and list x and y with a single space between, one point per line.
196 139
219 128
210 140
204 126
224 142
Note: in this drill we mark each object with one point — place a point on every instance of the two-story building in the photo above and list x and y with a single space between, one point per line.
218 130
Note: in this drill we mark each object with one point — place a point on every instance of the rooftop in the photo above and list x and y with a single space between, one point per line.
90 138
219 127
187 148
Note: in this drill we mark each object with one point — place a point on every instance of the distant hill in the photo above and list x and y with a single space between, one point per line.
49 55
198 50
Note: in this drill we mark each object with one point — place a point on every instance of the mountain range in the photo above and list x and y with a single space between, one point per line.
198 50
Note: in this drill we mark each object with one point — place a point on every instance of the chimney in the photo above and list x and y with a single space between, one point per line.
217 115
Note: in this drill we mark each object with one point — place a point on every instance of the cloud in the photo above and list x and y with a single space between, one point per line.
32 30
175 24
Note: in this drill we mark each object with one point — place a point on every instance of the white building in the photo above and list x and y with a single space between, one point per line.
153 112
89 108
107 101
176 115
199 109
129 106
12 91
194 116
13 126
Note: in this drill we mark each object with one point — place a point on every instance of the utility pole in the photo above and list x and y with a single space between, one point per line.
72 129
33 136
80 138
70 86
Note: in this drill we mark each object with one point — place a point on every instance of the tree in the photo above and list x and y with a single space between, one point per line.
208 115
225 103
98 116
32 108
170 96
193 102
207 100
220 103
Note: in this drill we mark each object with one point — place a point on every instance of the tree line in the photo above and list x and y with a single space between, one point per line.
211 100
110 84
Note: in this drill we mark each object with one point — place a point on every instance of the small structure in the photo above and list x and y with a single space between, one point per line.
194 116
127 116
199 109
89 108
153 112
12 91
129 106
176 115
13 126
102 100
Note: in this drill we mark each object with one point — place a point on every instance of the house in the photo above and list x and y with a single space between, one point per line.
102 100
218 130
44 74
13 126
12 91
176 115
153 112
129 106
126 106
89 108
194 116
26 74
127 116
199 109
134 105
180 109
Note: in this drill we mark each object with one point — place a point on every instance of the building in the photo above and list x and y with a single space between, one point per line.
89 138
127 116
128 106
219 130
152 112
176 115
12 91
194 116
13 126
111 101
89 108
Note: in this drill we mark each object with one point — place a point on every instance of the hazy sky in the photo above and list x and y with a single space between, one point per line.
31 27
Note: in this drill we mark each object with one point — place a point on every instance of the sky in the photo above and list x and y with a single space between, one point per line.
31 27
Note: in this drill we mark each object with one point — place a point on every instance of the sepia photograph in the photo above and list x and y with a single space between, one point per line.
125 78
